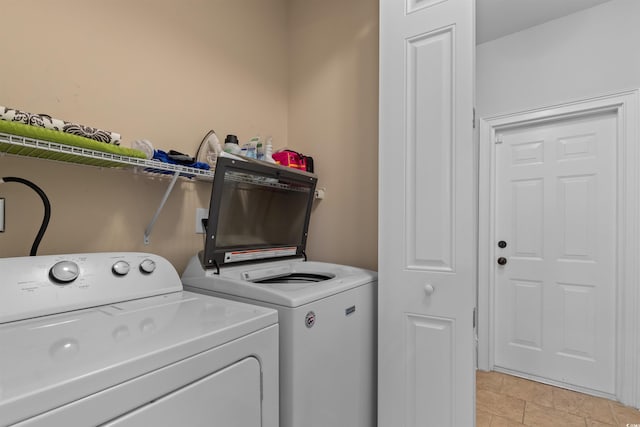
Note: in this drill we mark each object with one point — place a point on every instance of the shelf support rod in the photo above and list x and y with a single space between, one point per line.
147 231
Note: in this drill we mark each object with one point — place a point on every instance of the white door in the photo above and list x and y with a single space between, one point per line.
556 212
427 278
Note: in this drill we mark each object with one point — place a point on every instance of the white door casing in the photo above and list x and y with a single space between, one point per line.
624 108
556 212
427 224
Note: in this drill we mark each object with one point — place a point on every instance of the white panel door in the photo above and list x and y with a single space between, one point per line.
426 261
556 212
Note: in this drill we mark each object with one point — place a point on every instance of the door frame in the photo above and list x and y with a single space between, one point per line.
625 106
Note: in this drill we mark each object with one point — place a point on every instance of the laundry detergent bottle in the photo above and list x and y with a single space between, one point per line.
231 145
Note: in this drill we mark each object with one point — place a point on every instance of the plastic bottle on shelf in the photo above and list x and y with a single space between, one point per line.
250 148
231 145
268 151
260 150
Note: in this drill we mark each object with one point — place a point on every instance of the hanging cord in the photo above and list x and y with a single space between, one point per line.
47 209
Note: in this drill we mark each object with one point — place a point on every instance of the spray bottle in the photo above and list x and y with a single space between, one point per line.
268 151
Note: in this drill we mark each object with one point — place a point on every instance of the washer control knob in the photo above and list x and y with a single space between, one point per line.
121 268
64 272
147 266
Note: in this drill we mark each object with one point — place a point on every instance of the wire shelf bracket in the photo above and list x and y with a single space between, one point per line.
147 231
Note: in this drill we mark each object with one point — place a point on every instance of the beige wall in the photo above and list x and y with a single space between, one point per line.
169 71
333 116
162 70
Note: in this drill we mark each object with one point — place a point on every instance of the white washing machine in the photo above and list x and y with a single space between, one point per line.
255 253
112 339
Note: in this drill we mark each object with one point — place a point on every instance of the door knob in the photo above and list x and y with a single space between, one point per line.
429 290
502 260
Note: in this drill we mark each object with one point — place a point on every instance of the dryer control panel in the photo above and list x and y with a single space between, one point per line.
48 284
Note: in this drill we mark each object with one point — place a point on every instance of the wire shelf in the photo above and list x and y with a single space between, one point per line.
30 147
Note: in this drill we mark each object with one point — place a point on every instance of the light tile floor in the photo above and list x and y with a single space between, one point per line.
507 401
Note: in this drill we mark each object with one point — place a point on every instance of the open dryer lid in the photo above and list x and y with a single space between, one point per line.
258 211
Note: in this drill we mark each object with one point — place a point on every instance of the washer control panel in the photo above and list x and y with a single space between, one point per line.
48 284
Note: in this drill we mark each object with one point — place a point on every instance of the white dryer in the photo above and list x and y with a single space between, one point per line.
112 339
255 253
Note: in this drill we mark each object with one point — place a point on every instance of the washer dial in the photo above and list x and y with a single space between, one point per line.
64 272
147 266
121 268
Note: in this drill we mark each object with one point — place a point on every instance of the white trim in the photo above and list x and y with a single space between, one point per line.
626 106
556 383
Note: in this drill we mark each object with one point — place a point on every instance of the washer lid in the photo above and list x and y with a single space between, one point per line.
245 281
52 360
258 211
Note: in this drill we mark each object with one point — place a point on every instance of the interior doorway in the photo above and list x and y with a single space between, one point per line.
555 232
556 295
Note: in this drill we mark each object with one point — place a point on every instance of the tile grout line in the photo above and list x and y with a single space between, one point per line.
613 413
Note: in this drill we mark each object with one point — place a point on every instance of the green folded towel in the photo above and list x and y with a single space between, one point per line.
15 128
